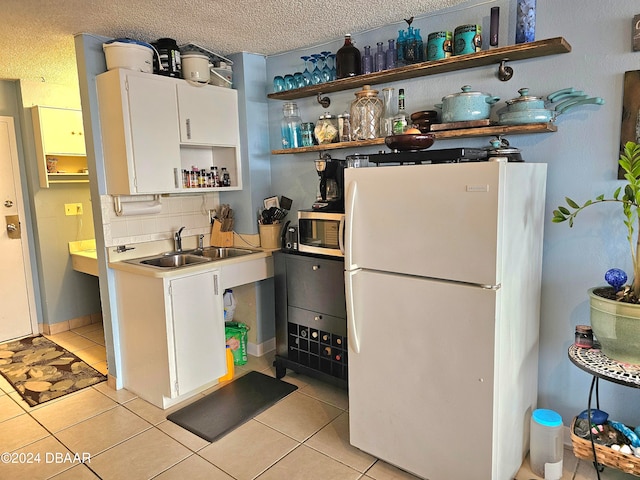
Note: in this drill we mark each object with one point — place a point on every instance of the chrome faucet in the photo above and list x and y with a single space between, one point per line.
177 238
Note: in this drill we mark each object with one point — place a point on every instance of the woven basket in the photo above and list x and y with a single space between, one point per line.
605 455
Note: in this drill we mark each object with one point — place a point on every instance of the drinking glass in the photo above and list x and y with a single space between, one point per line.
307 73
317 70
299 79
334 74
278 84
289 82
326 69
315 78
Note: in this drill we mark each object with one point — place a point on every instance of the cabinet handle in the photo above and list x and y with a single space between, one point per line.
317 318
315 267
188 124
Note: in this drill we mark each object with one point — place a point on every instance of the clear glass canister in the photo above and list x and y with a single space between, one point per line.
366 111
290 127
326 130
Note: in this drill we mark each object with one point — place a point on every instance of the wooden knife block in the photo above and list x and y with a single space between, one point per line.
220 238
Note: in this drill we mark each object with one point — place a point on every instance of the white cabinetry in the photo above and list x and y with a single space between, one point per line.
171 333
59 137
154 127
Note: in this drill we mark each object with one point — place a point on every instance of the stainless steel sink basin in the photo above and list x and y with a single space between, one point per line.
175 260
191 257
217 253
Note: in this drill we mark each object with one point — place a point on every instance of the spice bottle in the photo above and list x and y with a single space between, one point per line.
348 59
344 127
584 336
226 178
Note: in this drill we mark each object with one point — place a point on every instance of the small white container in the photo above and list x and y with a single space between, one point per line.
195 67
545 450
129 54
222 76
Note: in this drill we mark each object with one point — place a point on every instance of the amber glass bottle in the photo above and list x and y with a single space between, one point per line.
348 59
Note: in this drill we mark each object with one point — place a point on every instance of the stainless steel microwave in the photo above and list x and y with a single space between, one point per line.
321 232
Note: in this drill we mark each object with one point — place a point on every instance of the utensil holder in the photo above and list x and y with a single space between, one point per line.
220 238
270 235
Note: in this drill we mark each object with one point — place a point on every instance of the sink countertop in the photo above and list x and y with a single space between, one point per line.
84 257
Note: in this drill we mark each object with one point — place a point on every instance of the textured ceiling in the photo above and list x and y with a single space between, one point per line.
36 36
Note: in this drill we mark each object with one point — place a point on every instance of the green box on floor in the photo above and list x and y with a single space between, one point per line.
238 331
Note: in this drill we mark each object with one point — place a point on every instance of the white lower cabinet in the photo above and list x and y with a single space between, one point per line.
171 333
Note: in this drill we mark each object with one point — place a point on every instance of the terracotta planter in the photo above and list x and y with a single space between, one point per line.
617 326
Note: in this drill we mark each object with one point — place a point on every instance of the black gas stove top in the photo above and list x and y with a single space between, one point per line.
418 157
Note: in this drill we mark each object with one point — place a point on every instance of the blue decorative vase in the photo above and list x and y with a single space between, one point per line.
526 21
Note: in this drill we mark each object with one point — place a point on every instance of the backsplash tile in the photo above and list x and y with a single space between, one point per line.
189 211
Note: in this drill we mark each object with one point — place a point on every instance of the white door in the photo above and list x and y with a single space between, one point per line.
439 221
198 330
17 314
208 115
421 373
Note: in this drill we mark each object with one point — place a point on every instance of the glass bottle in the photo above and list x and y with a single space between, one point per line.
366 111
419 46
400 120
400 48
326 129
380 59
215 177
392 55
367 60
226 178
388 112
290 126
348 59
410 46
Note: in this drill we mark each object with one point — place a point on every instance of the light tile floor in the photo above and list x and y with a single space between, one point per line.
305 436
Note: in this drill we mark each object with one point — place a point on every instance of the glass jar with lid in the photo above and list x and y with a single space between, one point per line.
290 126
326 129
366 111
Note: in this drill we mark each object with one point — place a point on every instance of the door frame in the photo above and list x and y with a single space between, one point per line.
26 257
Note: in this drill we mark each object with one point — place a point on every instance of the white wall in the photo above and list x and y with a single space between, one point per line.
581 157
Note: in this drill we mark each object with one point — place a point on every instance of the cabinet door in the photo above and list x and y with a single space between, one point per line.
198 330
208 115
139 124
62 131
316 284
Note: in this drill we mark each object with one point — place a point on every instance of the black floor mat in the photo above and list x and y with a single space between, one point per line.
225 409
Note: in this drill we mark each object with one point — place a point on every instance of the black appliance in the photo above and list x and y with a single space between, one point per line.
330 196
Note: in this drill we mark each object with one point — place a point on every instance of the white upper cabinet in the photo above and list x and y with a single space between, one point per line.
60 147
208 117
139 124
146 121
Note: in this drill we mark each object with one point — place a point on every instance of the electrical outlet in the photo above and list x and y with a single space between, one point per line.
73 209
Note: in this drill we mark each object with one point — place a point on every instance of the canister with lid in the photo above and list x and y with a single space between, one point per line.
290 126
366 111
326 129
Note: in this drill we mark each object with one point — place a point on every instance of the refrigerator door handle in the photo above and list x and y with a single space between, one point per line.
352 338
352 189
341 235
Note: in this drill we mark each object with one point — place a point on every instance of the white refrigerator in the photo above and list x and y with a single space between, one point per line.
443 272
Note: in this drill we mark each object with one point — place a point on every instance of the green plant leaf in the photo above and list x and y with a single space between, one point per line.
571 203
564 210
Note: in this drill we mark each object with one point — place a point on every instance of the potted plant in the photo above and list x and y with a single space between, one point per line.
615 310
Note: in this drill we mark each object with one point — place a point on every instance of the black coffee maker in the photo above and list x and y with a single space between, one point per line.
330 197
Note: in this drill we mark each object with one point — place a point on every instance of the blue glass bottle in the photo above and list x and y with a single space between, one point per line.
392 55
367 60
410 46
525 21
379 59
400 48
419 46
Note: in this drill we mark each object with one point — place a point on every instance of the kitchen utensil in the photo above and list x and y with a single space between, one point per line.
130 54
431 115
500 150
410 141
466 105
527 102
544 115
195 68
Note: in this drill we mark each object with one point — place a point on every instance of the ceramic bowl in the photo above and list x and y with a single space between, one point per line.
410 141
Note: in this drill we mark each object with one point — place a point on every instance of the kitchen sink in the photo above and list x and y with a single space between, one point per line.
216 253
191 257
174 260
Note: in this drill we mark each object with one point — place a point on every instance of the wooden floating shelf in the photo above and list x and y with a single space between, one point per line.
522 51
444 135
